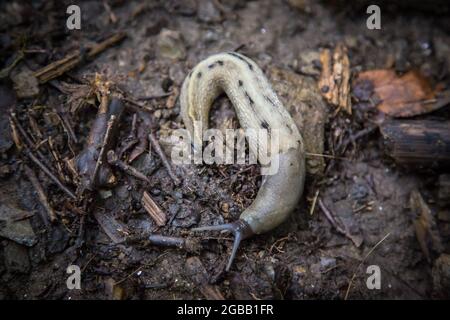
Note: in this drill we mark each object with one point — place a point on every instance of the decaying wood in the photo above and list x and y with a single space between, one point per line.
57 68
153 210
418 142
334 82
90 164
41 195
199 276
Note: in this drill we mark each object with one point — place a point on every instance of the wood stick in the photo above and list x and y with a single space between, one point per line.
59 67
27 149
155 144
48 173
132 171
153 210
101 155
41 195
418 142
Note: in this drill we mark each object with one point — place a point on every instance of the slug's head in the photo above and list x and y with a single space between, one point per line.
240 229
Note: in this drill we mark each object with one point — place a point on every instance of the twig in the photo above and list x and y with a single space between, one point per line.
33 158
66 124
101 154
114 160
47 172
156 96
360 264
42 196
313 206
24 134
59 67
164 241
154 142
331 218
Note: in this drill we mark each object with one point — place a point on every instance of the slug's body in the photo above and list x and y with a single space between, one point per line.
257 107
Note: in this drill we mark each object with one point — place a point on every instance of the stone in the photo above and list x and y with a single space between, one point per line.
26 84
208 12
171 45
16 258
441 275
16 230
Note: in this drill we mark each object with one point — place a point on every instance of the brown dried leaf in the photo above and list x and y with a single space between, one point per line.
402 96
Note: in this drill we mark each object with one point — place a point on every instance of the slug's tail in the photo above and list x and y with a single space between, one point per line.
240 229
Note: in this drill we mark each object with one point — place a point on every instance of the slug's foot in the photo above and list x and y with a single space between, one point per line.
240 229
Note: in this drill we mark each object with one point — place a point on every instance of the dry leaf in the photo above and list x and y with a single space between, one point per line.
401 96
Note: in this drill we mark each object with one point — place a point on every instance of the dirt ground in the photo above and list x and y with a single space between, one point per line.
306 257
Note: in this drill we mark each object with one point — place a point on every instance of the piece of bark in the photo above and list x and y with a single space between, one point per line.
153 210
334 82
424 143
198 274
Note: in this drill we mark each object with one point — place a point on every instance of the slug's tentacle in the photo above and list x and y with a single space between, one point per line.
257 107
240 229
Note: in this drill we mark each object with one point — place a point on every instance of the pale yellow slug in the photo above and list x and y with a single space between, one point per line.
257 107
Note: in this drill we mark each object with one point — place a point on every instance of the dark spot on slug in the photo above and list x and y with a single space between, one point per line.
242 59
250 100
236 56
211 66
199 75
220 62
264 124
270 100
240 83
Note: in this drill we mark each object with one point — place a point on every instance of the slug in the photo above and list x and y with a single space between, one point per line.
257 107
